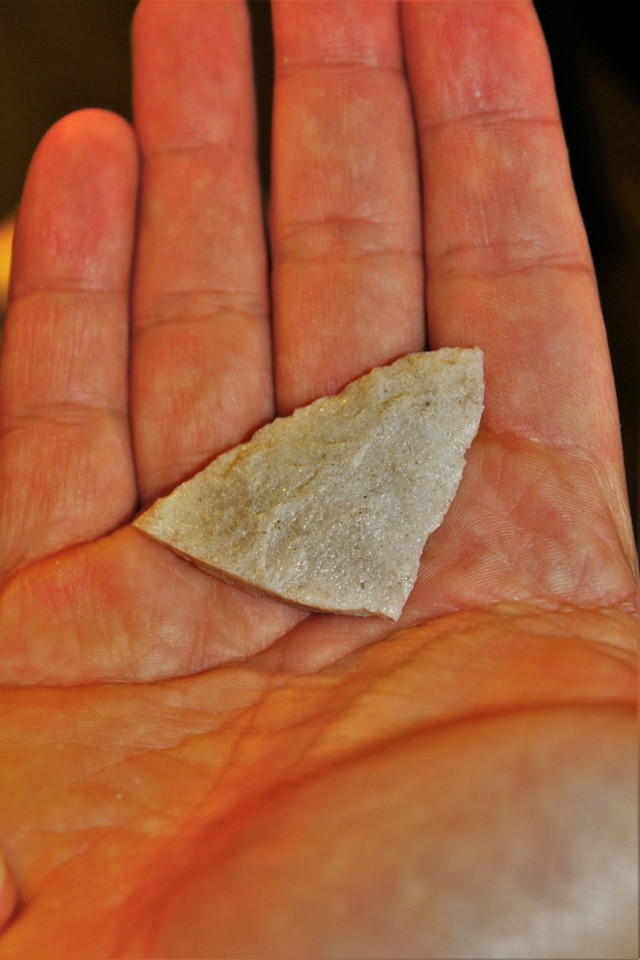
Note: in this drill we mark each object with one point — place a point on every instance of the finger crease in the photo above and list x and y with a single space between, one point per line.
502 259
347 256
287 68
213 317
64 413
487 117
68 291
197 147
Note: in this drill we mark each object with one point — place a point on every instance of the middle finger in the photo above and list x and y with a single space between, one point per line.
345 227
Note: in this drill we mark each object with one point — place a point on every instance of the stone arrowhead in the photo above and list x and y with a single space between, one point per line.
330 508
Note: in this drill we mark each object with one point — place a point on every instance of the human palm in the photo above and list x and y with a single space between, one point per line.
190 770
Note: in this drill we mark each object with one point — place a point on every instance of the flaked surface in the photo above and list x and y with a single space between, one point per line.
330 508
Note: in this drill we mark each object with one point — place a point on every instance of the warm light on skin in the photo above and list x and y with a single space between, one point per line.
186 769
6 240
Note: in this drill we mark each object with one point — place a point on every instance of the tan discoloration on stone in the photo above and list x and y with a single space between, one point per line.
330 508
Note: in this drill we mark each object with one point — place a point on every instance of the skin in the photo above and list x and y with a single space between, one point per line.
190 771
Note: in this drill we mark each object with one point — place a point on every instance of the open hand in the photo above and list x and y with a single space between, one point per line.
189 770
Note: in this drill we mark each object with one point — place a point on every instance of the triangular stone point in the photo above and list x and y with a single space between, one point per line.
329 509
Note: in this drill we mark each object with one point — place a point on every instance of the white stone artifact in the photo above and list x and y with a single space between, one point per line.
330 508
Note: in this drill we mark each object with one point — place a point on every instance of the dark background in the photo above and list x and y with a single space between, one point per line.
61 55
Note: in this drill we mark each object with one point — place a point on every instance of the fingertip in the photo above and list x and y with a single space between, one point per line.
91 129
90 124
79 195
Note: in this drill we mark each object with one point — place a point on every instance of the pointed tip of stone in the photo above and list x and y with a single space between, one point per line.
329 509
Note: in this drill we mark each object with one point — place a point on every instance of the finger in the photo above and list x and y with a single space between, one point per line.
66 473
508 264
345 223
201 367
